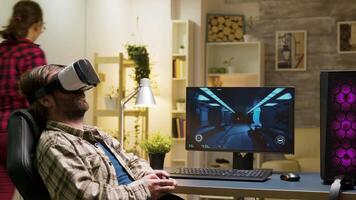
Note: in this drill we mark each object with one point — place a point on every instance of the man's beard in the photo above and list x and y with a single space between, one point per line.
74 109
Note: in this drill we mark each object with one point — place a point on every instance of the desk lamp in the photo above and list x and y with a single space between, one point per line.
144 98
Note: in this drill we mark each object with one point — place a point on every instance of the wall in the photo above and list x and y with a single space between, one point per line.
64 37
5 11
107 30
107 25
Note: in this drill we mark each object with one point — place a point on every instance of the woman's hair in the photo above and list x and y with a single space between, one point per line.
32 81
25 14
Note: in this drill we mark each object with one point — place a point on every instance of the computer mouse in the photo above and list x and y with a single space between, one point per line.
290 176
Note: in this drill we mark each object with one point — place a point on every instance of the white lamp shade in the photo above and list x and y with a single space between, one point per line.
286 52
286 55
145 96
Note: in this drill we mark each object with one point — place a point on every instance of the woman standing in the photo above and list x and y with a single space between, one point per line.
18 53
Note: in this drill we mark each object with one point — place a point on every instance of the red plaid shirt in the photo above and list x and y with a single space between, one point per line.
16 57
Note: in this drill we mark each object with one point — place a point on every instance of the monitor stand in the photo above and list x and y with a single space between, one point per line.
242 160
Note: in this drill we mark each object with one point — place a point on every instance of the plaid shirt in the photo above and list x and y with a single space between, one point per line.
73 167
16 57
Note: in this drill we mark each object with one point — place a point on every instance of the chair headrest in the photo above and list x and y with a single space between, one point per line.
33 124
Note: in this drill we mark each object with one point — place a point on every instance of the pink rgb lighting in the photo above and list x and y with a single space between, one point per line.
343 127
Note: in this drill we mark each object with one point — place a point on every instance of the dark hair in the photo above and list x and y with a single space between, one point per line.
25 14
33 80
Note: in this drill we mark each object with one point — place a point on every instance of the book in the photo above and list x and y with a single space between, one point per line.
178 127
174 128
184 128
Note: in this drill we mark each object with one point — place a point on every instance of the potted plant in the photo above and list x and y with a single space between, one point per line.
157 145
132 138
180 104
248 37
217 70
139 55
111 99
228 65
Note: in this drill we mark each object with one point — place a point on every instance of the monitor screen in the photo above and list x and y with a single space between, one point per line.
240 119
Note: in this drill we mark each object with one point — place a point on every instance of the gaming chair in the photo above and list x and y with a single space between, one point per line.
23 135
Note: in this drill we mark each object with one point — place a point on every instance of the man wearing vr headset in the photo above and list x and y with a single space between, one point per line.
77 161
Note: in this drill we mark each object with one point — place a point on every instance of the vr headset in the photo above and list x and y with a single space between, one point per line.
79 75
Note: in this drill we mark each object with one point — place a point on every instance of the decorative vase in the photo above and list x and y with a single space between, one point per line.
157 160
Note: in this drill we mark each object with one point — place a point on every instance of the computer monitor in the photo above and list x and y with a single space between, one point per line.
240 119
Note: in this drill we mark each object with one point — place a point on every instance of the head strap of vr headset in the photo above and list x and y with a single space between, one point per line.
47 89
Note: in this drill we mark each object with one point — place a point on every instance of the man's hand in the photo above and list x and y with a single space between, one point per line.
161 174
159 186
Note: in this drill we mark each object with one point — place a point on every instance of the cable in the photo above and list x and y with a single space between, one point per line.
335 189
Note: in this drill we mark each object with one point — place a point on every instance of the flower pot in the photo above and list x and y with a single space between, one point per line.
111 103
157 160
230 69
250 38
181 51
180 106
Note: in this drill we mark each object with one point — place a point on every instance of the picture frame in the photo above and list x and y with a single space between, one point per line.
291 50
224 28
346 37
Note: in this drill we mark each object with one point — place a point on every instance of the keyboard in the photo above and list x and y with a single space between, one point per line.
221 174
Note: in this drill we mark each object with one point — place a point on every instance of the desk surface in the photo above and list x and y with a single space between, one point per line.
309 187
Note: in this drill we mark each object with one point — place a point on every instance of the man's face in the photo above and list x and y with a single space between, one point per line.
71 104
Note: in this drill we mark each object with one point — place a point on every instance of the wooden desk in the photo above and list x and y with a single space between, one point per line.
309 187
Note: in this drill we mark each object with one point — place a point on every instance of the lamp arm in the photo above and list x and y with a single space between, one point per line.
129 97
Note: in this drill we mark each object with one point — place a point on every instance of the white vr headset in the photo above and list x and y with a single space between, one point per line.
79 75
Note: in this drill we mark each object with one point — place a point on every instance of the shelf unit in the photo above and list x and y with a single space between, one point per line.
247 66
182 62
246 70
113 72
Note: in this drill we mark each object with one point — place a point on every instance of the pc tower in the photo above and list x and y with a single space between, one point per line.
338 125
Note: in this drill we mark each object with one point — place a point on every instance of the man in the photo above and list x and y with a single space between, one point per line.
77 161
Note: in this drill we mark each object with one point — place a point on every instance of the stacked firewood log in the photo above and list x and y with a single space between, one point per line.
225 28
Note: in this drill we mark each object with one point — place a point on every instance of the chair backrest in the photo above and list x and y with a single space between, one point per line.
23 135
